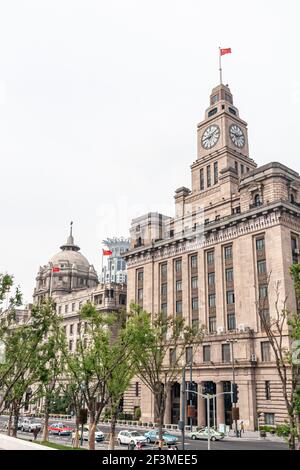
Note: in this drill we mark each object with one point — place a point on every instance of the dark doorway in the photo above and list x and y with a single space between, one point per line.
175 403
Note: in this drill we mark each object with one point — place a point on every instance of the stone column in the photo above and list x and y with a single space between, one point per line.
201 409
220 404
167 417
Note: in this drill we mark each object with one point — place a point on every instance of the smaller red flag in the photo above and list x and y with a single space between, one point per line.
56 269
225 51
107 252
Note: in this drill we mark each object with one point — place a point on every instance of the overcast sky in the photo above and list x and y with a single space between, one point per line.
99 105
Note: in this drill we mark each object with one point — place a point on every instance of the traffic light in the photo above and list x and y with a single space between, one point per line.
235 393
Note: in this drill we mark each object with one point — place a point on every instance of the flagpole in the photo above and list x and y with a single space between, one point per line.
102 275
220 66
50 290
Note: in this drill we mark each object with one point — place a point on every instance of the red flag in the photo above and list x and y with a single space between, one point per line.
107 252
225 51
55 269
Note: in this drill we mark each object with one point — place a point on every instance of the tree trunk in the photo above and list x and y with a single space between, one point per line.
112 431
16 419
92 428
9 421
76 438
293 430
46 421
160 413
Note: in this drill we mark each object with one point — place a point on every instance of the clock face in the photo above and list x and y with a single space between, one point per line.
210 137
237 136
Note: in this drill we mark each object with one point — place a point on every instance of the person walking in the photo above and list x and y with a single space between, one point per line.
242 428
35 433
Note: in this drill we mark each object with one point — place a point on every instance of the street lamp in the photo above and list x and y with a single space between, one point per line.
231 342
82 388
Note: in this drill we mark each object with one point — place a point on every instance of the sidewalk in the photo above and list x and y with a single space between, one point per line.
12 443
253 436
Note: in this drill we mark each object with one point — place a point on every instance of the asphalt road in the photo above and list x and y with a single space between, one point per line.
225 444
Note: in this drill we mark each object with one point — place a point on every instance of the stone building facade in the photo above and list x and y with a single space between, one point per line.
218 263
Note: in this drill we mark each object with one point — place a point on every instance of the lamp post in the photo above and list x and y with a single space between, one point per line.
231 342
82 388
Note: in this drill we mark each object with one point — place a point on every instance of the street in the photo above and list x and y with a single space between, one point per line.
226 444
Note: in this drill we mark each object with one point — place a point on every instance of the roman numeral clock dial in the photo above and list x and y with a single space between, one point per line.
210 137
237 136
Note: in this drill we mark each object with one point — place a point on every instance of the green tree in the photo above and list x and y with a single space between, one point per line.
93 365
285 324
159 352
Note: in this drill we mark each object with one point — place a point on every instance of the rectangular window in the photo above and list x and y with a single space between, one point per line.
201 180
136 389
66 308
195 324
211 279
264 318
178 265
268 390
261 267
195 303
212 300
231 324
229 275
73 307
265 351
194 261
194 282
208 176
230 297
140 276
189 355
206 353
225 352
236 167
242 169
263 292
270 419
164 288
78 328
59 310
164 308
210 257
140 294
172 355
215 172
71 329
178 286
178 306
228 252
164 269
212 324
260 244
70 345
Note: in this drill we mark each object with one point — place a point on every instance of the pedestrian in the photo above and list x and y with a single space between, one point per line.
35 433
131 445
139 446
242 428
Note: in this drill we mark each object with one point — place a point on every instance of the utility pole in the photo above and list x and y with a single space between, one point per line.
191 388
183 392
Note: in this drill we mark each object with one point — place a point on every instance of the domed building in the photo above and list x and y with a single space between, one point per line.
66 272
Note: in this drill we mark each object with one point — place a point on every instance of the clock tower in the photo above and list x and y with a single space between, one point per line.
222 153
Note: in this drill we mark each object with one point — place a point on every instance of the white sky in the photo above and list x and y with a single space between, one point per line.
99 103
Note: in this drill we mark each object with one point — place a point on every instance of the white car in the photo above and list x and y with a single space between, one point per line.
30 425
126 437
99 436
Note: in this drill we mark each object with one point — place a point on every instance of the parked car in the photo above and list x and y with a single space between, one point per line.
60 429
153 436
30 425
126 437
12 423
203 434
99 435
